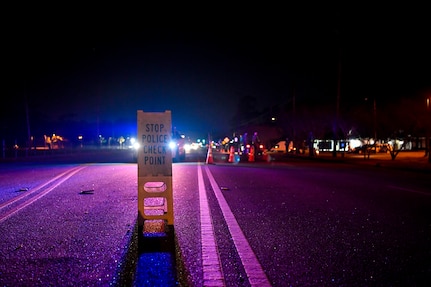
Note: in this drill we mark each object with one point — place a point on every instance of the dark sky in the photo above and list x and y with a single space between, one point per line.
99 66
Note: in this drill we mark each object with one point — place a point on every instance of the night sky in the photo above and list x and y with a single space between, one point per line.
101 67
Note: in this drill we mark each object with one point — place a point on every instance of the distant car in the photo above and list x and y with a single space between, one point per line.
282 147
373 148
279 147
177 146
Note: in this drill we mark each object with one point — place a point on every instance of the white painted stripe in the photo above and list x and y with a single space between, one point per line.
255 273
37 188
409 190
40 195
212 272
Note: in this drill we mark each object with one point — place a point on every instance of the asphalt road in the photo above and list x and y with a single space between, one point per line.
314 224
66 225
297 223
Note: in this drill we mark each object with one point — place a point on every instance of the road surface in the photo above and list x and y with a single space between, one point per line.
250 224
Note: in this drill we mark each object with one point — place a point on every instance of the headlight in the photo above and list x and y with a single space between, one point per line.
172 145
187 147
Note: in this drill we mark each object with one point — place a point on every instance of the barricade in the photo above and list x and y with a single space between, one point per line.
155 196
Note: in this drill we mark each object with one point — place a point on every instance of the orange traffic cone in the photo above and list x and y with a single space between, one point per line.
210 159
231 154
251 154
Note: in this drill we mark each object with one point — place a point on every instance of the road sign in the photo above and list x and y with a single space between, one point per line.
155 196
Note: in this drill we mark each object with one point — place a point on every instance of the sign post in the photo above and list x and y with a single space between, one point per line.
155 196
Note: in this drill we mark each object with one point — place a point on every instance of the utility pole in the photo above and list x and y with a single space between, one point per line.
427 139
337 116
27 114
294 118
375 119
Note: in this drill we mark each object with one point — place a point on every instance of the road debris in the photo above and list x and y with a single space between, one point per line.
89 191
19 247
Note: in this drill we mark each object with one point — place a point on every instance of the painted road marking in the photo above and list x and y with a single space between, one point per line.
255 273
33 190
63 177
410 190
212 272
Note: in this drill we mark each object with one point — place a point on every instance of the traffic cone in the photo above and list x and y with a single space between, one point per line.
210 159
251 154
231 154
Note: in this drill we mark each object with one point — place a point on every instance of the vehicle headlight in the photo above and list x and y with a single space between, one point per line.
172 145
187 147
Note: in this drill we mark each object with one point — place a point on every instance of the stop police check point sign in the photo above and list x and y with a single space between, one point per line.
154 133
155 144
155 196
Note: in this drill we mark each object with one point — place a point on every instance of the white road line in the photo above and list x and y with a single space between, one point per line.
409 190
33 190
212 272
40 195
255 273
